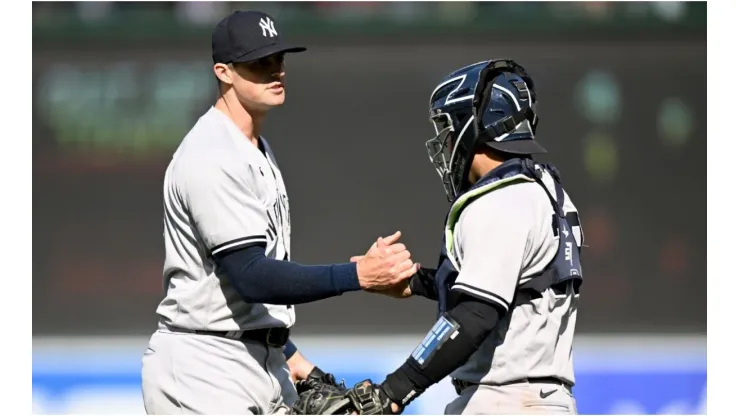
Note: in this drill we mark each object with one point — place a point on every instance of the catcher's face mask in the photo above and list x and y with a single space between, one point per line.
450 151
441 149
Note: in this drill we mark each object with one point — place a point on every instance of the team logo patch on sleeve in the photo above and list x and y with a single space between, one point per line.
444 329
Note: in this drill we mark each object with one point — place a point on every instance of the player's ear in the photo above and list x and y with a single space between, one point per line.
223 73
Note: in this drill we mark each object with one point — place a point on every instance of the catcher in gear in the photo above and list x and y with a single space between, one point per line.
509 272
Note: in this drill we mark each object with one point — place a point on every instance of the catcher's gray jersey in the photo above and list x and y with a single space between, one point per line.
220 191
503 238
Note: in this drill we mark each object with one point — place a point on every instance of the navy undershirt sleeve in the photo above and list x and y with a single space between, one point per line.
259 279
289 349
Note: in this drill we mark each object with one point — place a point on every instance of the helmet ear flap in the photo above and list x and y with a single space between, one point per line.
480 108
483 87
486 79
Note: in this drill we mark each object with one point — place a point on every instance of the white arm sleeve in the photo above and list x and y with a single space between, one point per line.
494 238
223 202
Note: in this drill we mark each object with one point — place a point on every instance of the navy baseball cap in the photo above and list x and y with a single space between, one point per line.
247 36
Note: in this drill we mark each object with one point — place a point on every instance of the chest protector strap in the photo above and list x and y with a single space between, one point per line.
565 267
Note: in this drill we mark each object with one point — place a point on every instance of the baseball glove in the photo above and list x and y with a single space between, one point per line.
318 398
320 394
369 399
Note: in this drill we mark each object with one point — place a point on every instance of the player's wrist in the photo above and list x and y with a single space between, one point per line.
399 390
300 368
393 405
345 278
362 281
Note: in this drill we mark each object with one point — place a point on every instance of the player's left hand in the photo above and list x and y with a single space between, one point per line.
320 394
316 378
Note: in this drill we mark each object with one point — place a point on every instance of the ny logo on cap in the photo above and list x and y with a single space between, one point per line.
268 27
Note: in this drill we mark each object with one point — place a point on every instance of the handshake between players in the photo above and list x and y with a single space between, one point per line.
386 267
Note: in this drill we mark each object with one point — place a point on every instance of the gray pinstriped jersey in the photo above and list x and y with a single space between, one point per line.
220 192
503 238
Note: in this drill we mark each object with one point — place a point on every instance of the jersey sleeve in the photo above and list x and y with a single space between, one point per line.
494 239
222 200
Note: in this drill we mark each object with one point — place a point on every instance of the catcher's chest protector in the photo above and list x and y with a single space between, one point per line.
565 266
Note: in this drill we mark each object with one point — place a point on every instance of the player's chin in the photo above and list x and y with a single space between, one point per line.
275 96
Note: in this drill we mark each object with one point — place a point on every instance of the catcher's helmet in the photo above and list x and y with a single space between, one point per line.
490 102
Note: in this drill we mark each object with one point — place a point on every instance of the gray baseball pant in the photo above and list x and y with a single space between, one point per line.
200 374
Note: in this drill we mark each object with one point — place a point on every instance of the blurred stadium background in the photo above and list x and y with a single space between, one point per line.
623 106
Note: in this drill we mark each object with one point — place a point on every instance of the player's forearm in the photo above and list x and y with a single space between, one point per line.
475 320
423 284
259 279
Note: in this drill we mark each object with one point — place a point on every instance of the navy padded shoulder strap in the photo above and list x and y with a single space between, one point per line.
566 265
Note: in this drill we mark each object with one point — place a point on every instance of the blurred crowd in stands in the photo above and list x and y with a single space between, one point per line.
206 13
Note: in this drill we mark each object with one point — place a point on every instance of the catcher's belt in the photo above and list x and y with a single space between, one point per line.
461 385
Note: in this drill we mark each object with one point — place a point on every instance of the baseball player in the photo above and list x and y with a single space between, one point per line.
509 274
222 345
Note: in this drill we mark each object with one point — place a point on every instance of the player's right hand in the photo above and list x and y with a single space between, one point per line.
385 264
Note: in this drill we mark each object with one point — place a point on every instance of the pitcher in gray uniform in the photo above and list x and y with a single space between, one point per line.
222 345
509 275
